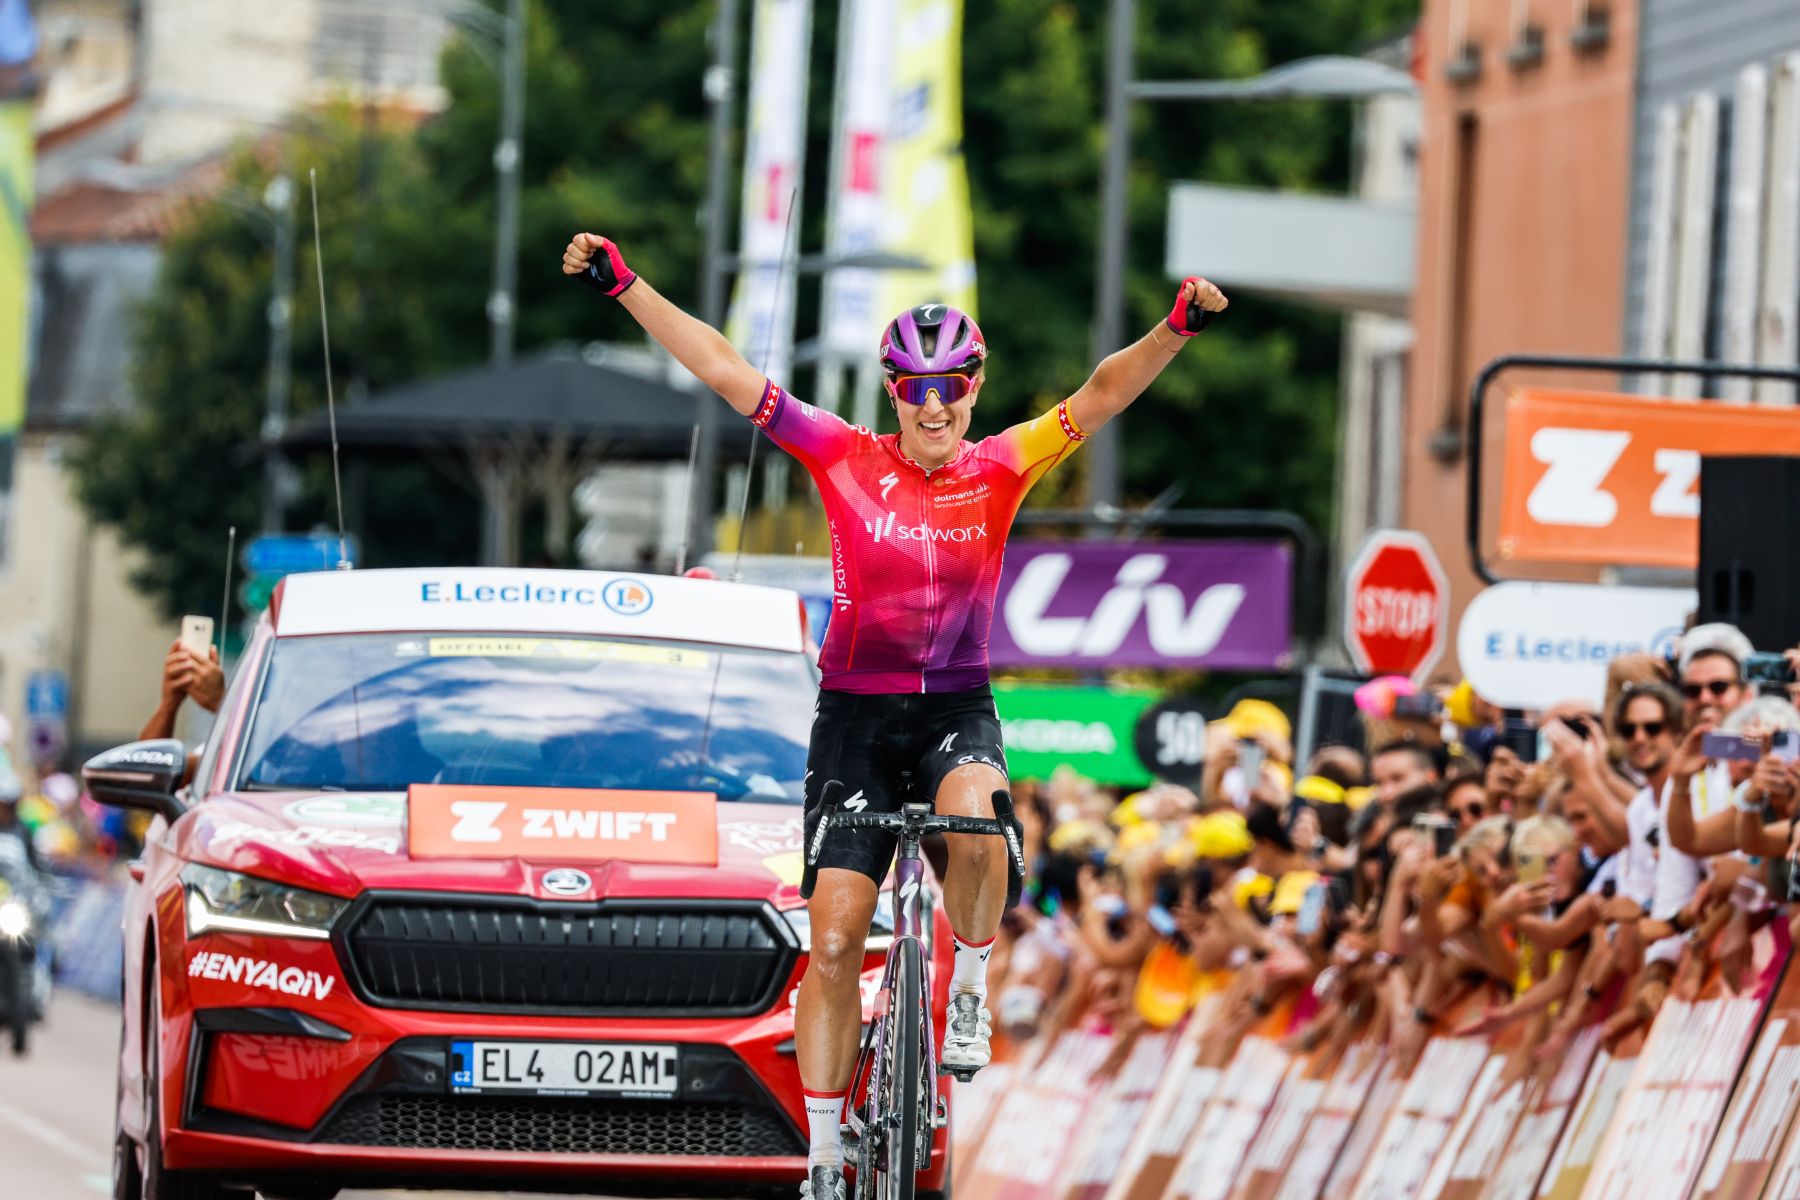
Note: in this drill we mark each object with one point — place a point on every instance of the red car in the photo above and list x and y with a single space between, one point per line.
484 879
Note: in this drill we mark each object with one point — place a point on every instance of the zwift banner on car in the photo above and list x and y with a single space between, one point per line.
900 187
762 309
1219 605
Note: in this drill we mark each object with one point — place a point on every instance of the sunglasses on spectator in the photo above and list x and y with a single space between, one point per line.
1630 729
1468 812
1716 687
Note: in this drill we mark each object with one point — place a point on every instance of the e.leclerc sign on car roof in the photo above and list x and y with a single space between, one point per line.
455 599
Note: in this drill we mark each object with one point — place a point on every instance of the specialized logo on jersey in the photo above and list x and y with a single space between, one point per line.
888 530
949 740
887 483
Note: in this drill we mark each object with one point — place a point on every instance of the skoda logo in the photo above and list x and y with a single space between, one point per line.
567 881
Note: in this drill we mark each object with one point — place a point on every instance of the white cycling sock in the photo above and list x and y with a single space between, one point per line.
827 1142
970 972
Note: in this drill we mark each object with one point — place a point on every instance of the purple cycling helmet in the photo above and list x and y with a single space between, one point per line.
932 339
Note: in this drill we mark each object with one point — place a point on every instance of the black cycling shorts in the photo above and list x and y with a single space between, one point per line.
871 743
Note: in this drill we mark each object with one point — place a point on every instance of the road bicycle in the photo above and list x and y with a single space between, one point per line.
887 1137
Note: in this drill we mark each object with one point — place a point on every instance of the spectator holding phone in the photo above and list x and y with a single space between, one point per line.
188 674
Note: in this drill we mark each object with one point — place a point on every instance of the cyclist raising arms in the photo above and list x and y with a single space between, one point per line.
918 525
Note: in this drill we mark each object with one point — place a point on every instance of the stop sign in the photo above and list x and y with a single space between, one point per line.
1397 611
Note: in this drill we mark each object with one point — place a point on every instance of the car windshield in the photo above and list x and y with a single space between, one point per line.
378 712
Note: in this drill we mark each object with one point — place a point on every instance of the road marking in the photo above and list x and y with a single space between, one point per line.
55 1138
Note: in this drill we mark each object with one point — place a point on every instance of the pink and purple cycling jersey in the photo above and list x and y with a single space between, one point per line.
915 554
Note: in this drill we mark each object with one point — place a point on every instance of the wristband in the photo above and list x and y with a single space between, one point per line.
1189 318
607 272
1679 922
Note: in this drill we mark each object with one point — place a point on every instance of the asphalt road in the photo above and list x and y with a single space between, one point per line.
56 1109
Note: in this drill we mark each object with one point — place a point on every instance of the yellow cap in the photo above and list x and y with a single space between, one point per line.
1080 837
1248 718
1460 705
1220 835
1127 811
1133 836
1357 797
1319 790
1249 886
1290 891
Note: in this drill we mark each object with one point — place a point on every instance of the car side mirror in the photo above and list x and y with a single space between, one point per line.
142 775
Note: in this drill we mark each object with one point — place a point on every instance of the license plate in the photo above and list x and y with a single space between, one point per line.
564 1068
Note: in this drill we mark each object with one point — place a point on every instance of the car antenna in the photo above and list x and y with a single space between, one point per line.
337 479
225 604
787 246
687 498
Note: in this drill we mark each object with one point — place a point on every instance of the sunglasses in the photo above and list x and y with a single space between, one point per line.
1630 729
922 389
1716 687
1468 812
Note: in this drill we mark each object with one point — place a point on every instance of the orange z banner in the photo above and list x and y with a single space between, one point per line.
1591 477
566 824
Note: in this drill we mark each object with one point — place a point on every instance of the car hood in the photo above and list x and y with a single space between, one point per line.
344 843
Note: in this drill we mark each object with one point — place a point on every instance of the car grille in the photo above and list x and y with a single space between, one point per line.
562 1126
606 959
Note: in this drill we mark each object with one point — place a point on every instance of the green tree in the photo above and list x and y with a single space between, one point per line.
616 140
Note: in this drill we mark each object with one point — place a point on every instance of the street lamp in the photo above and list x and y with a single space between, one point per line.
1325 77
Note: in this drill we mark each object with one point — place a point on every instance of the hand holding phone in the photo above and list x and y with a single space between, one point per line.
197 635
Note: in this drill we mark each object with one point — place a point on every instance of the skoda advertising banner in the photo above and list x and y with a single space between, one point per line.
1047 725
1217 605
1529 645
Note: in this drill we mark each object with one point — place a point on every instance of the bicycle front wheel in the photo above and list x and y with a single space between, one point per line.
901 1088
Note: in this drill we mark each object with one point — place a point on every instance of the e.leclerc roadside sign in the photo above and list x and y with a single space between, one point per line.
1397 606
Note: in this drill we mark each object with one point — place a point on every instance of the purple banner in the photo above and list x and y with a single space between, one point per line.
1224 605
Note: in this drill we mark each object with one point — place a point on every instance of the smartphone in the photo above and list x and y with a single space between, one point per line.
1312 909
1763 667
1521 737
1435 831
1582 727
1533 865
1250 762
1733 746
1423 704
197 634
1785 744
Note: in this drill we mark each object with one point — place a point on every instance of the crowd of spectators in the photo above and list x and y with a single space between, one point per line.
1474 870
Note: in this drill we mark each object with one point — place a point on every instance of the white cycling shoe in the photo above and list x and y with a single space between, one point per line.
966 1048
823 1183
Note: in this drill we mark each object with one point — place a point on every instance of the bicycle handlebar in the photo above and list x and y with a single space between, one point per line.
899 822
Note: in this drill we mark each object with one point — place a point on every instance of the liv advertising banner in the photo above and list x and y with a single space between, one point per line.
761 325
1524 645
1089 728
1218 605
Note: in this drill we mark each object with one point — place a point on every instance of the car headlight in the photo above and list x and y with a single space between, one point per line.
881 929
15 919
232 903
